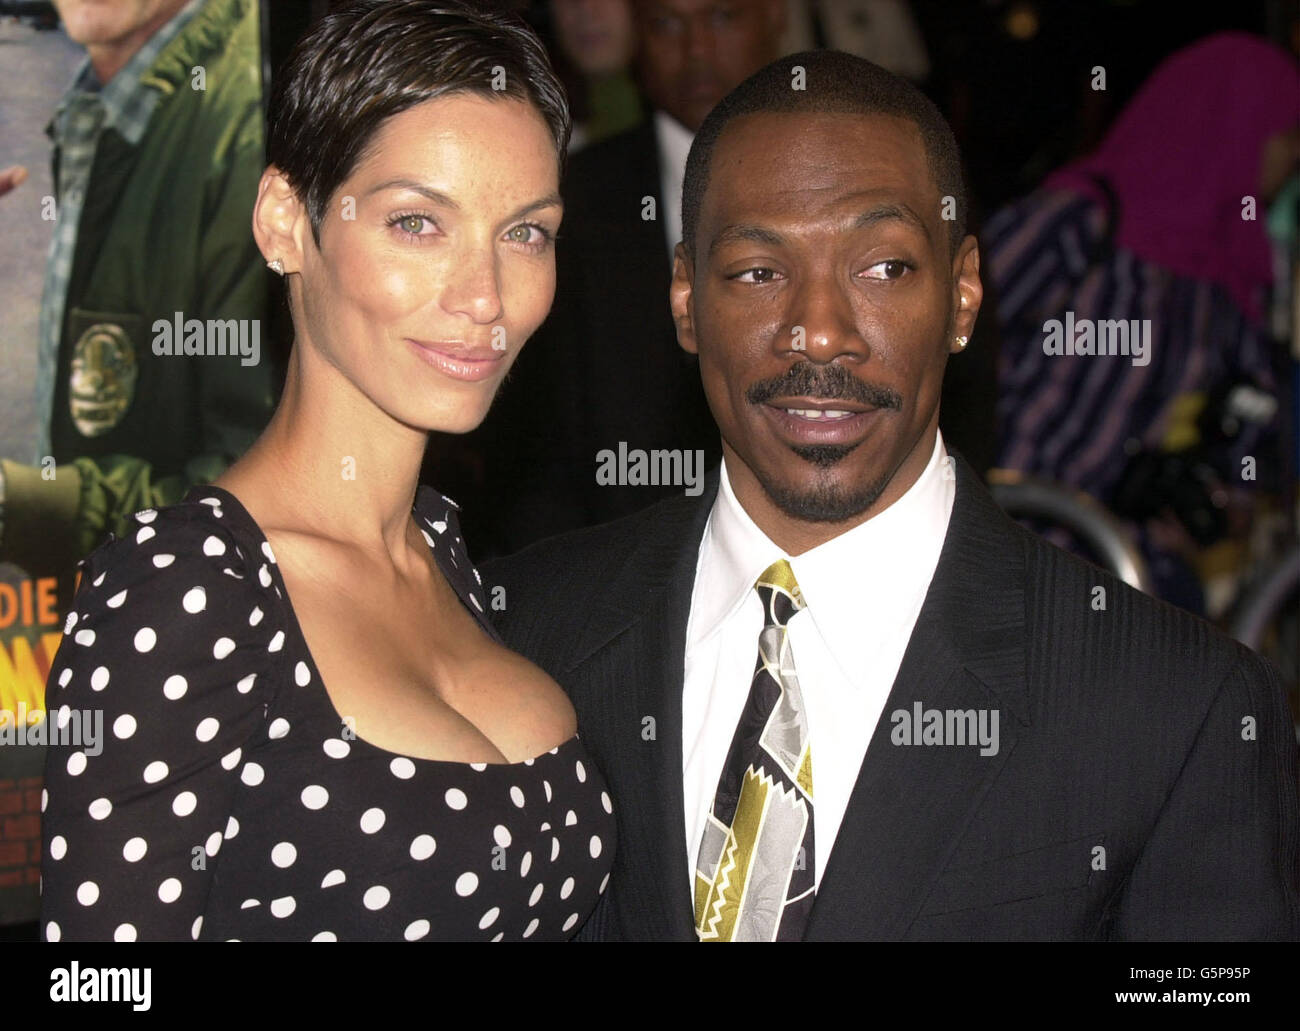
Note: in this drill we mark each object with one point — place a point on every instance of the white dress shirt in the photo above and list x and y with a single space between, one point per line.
674 141
863 591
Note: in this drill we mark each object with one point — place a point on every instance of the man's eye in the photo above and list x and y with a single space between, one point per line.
893 269
756 275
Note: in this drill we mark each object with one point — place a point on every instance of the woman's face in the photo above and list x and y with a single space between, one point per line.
436 259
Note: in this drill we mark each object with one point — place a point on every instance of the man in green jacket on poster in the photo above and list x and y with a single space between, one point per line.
158 148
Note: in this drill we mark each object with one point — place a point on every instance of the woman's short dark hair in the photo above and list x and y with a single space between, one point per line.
368 60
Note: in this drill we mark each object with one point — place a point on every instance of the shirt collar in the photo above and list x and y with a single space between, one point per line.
128 98
674 146
898 548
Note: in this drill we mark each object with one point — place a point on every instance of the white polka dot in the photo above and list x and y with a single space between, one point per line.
517 797
214 546
581 771
99 579
232 828
314 796
155 771
196 928
536 895
147 515
250 903
570 818
546 786
336 748
501 835
184 803
573 919
145 639
252 774
402 768
255 616
595 846
606 804
175 686
124 726
416 930
69 623
455 798
284 855
532 926
52 932
279 728
489 918
58 847
115 602
45 798
207 728
231 759
124 933
195 600
466 884
266 550
566 889
133 851
76 764
264 577
332 878
100 809
213 845
376 897
283 906
423 847
301 674
85 637
99 679
246 683
144 534
277 642
64 716
372 820
222 648
555 849
65 676
603 881
163 560
325 936
214 502
88 893
478 767
526 865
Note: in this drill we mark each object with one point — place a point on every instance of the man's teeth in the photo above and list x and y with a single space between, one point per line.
817 413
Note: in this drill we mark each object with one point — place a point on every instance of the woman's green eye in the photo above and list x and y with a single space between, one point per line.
413 224
520 234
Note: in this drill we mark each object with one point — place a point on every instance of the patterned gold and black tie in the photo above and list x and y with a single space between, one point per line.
754 875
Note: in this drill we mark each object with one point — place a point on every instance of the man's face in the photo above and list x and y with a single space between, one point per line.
114 22
694 52
596 35
823 303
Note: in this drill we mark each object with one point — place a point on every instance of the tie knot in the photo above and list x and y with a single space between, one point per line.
780 592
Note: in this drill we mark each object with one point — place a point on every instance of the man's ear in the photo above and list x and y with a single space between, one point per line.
681 299
968 291
280 222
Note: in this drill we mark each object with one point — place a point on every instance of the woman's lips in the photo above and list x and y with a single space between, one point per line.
459 361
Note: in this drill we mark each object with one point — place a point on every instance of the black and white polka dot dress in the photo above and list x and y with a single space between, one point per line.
227 798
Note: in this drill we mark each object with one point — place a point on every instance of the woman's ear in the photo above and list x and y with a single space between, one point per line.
280 222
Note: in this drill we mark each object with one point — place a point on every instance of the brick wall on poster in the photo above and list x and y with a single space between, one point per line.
20 831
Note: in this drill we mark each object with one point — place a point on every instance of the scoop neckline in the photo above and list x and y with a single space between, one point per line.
296 629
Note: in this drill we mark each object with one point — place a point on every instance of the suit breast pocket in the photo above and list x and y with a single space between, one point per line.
1021 876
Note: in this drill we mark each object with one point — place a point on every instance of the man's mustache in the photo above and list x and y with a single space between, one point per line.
823 382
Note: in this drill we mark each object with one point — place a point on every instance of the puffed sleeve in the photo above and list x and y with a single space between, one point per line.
167 665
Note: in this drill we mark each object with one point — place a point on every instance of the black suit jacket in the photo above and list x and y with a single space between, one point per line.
1128 798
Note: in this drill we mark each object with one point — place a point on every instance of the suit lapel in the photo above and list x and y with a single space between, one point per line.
911 804
639 625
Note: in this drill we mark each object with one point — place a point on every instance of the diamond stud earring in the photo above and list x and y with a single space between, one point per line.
276 266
